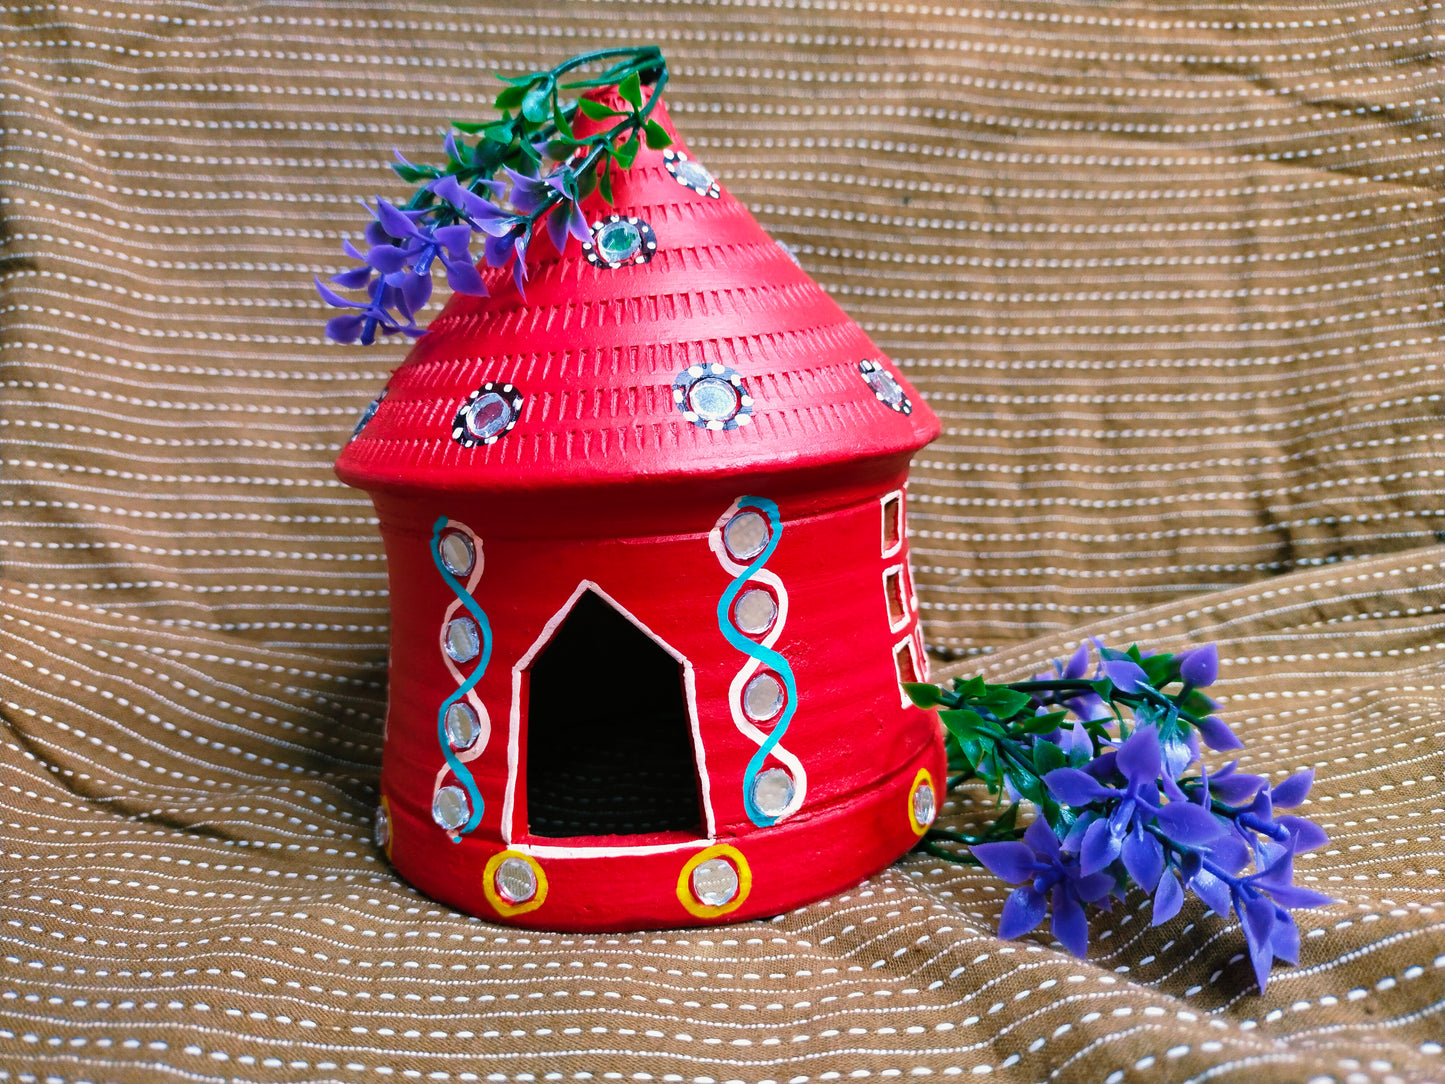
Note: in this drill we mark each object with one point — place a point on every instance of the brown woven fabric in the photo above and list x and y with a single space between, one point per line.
1169 274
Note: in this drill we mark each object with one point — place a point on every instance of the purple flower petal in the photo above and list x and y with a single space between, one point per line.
1069 924
1100 847
1284 941
345 328
331 297
1022 911
1140 757
1200 667
354 278
1258 923
1127 675
1235 788
462 277
1292 791
1094 887
1228 852
376 234
1078 664
557 226
1074 787
415 292
1041 838
388 259
1011 862
1217 735
1305 835
1288 895
1144 858
456 239
1167 900
1214 892
1186 823
394 221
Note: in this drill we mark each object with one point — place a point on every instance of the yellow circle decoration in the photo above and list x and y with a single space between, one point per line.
385 810
504 906
922 778
684 881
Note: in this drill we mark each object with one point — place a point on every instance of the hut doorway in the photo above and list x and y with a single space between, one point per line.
609 735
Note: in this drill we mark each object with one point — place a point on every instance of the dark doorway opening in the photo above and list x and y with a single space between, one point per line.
609 742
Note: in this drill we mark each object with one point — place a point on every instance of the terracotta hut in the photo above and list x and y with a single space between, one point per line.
650 593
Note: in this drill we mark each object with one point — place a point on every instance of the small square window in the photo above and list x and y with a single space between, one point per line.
897 603
892 523
903 657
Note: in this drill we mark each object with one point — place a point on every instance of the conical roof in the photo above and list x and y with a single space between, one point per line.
712 353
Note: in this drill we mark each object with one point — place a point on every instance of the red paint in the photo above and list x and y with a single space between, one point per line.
603 480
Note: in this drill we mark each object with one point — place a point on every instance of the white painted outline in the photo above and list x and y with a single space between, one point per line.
741 719
887 550
514 740
901 595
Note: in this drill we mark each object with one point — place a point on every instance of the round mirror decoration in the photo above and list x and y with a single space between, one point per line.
458 552
772 791
755 610
618 240
715 882
746 535
712 397
463 639
763 697
381 828
450 808
516 880
487 415
462 726
366 415
884 387
691 174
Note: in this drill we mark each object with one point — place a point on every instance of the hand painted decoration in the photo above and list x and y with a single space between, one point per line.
674 697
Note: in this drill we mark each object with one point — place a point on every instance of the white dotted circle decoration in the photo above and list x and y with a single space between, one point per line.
713 396
620 240
487 415
884 387
691 173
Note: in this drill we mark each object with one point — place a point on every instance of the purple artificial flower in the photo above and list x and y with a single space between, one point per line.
1125 832
405 248
481 215
1088 706
1200 667
1053 876
375 315
511 246
567 220
531 194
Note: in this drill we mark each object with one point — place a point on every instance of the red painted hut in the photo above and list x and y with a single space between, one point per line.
650 594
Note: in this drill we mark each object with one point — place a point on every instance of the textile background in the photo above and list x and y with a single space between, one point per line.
1171 275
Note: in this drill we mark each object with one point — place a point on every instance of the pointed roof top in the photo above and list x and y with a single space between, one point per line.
711 353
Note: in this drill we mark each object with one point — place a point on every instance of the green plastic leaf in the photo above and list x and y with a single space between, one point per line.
586 183
1004 702
657 137
973 687
1003 824
1026 783
596 110
604 179
510 98
1044 724
630 91
1161 669
1047 757
470 127
627 153
924 695
415 174
564 126
537 103
559 150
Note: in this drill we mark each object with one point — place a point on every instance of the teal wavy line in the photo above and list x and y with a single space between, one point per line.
458 768
765 655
